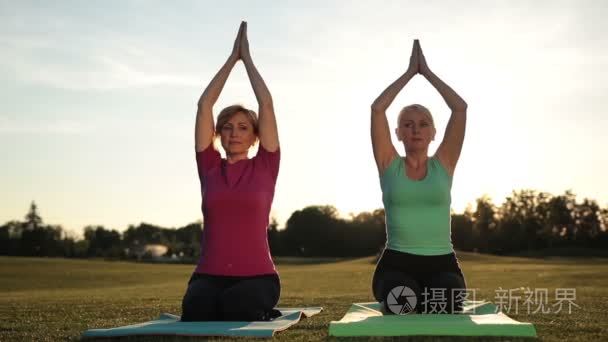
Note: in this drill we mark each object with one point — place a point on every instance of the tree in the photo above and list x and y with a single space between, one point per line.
102 242
309 231
558 220
5 240
274 238
318 231
188 241
484 223
588 222
32 219
462 230
41 241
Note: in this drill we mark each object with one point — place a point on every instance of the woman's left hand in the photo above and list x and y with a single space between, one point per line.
244 48
423 68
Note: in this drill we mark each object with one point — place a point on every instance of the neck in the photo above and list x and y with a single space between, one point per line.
416 158
235 157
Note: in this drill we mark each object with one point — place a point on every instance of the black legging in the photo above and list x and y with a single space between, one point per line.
421 273
231 298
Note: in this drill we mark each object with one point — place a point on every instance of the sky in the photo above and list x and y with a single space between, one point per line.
98 99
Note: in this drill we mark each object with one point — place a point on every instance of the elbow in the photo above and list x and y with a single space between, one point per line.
461 108
264 100
377 109
465 106
380 105
203 103
266 105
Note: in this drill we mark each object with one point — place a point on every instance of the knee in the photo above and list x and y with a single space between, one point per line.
194 309
399 292
390 279
246 307
199 305
444 293
240 315
249 300
446 280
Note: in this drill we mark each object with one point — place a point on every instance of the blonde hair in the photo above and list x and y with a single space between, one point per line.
420 109
417 108
227 114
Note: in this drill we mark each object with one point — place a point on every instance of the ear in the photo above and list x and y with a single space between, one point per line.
397 134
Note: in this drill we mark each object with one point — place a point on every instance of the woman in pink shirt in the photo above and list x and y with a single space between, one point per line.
235 278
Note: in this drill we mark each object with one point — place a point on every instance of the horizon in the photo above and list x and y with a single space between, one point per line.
282 225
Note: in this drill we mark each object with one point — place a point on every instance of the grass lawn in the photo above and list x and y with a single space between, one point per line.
45 299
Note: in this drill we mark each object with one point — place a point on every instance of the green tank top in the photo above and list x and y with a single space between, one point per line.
418 217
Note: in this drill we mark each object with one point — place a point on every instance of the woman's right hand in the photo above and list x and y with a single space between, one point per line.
414 66
235 55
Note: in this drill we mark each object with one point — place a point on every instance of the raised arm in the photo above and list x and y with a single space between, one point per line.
448 151
204 130
384 151
268 133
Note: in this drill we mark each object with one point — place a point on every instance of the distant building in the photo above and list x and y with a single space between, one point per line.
149 251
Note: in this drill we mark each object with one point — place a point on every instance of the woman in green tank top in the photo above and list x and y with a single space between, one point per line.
418 270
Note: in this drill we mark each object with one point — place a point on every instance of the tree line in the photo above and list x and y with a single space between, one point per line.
527 221
32 237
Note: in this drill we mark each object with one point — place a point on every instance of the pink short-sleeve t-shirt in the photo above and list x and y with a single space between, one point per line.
236 205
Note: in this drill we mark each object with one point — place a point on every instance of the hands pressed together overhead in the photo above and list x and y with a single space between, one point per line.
241 45
417 61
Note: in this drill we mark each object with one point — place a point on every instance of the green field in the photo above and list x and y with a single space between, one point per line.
46 299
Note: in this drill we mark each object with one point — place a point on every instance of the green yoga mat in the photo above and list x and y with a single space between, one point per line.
479 318
168 324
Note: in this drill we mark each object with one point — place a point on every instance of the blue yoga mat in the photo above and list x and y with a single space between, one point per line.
168 324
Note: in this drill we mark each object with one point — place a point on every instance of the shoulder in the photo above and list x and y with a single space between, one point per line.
442 165
267 156
447 165
393 166
208 158
270 160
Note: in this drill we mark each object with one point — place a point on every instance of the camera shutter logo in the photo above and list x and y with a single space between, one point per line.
407 302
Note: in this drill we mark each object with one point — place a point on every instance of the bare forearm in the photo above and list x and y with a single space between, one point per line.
451 98
388 95
203 133
260 89
213 90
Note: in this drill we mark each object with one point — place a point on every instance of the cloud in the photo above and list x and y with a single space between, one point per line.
102 60
28 126
104 72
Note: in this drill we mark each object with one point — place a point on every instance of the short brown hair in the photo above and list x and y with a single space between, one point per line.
228 112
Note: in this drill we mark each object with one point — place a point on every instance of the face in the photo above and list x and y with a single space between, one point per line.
415 130
237 134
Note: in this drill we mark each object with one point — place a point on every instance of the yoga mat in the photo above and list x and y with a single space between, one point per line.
168 324
479 318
